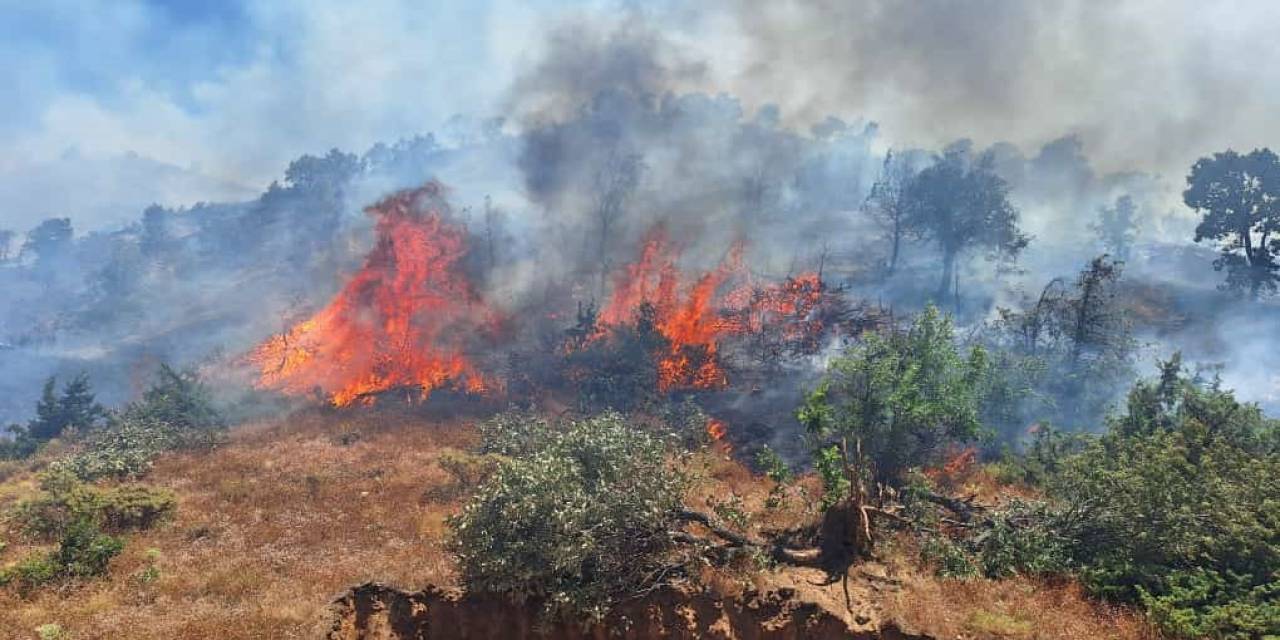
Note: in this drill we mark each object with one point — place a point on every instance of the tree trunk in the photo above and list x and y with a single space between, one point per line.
897 241
948 271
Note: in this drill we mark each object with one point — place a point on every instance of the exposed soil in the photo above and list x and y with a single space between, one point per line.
375 611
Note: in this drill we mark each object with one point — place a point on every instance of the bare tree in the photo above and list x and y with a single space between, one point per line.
615 183
6 244
887 203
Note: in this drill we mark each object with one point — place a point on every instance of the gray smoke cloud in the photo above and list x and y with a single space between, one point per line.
1147 85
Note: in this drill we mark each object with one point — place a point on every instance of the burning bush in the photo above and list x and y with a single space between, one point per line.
578 521
403 321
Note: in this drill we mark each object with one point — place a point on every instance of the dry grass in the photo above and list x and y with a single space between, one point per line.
290 513
268 529
1013 608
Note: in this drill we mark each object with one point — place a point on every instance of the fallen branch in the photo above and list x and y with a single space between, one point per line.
964 508
777 551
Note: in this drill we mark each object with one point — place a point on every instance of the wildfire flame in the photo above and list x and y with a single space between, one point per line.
402 321
695 317
686 314
716 429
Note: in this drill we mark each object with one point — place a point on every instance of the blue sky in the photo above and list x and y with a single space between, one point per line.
229 92
108 105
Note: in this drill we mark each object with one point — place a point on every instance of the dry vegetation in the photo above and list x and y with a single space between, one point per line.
286 515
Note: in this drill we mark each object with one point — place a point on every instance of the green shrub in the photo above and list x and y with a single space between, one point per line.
904 396
179 399
51 631
1022 538
577 521
83 552
30 572
1178 508
949 559
614 367
75 407
513 433
125 449
66 501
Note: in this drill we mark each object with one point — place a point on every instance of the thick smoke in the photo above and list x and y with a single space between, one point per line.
764 125
1147 85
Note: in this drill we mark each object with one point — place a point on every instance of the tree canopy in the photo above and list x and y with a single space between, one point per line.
961 203
1239 197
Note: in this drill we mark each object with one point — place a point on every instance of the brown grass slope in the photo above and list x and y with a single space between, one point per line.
290 513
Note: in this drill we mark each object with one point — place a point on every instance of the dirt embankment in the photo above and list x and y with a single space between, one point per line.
375 611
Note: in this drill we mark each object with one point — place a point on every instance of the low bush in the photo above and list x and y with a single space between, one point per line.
126 449
66 501
513 433
576 521
84 551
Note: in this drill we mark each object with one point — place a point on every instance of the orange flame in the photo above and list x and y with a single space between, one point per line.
956 465
716 429
686 316
695 318
402 321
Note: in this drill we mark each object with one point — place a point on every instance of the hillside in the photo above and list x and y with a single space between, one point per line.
288 514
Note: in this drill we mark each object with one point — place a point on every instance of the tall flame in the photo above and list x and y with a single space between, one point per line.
686 314
695 317
402 321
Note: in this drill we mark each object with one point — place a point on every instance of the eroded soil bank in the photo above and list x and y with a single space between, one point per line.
375 611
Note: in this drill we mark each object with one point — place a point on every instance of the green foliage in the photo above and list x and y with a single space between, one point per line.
83 552
19 445
179 399
982 218
1239 197
125 449
513 433
51 631
949 559
1063 357
904 396
774 467
576 521
1044 455
1021 539
175 412
618 370
151 572
1178 508
66 501
75 407
835 483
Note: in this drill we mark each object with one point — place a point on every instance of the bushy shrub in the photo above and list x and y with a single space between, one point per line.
18 445
83 552
513 433
1178 508
179 399
903 396
75 407
66 501
1020 538
614 367
577 520
125 449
